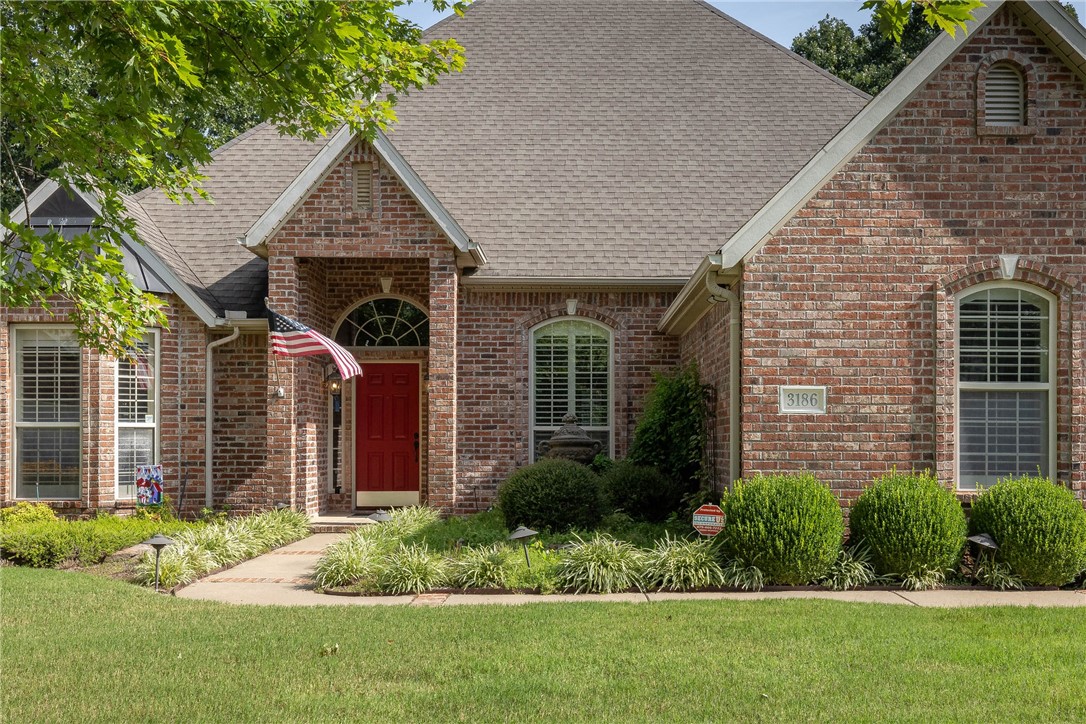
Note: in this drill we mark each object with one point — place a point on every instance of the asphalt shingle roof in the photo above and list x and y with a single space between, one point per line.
622 138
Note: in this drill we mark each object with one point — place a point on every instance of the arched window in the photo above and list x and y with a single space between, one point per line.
1004 96
571 372
384 322
1005 384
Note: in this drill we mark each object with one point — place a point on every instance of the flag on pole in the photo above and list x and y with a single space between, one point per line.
294 339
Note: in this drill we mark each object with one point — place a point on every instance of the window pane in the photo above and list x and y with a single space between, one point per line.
551 379
1002 434
386 322
135 446
136 384
1003 337
47 373
48 462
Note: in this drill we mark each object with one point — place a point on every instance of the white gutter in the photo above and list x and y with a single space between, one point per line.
209 408
718 293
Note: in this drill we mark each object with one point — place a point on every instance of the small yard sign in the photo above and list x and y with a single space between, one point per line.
709 519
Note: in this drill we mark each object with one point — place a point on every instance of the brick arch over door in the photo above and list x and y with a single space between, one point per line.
1070 382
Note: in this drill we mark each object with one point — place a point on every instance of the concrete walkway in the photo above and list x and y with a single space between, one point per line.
284 578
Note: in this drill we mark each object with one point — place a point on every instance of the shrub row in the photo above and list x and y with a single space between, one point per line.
907 528
34 538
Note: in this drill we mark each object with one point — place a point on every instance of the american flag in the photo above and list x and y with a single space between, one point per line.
291 338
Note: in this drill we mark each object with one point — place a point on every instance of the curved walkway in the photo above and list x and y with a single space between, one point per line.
284 577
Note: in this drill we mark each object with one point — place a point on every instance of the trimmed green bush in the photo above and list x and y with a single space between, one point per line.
51 542
552 494
24 512
1040 528
911 523
788 526
643 493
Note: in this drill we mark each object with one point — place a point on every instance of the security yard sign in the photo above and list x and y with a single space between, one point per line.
709 520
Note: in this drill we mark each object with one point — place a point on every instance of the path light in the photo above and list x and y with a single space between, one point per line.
381 516
158 542
986 545
523 534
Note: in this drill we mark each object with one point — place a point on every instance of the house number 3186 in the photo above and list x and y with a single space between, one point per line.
803 399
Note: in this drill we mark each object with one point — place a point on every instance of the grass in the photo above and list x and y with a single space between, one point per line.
81 648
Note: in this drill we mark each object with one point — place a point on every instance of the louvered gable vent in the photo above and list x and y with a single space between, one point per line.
1004 96
363 188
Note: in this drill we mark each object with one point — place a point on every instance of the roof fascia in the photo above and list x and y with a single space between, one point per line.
1069 41
693 300
145 254
587 282
854 136
34 200
320 166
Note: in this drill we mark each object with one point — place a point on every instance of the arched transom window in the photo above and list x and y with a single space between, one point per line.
1005 385
571 372
384 322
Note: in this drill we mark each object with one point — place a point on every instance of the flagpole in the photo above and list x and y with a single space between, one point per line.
279 391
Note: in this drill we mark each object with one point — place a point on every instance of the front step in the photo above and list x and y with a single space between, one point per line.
338 523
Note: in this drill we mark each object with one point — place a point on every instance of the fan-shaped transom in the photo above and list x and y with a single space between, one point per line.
384 322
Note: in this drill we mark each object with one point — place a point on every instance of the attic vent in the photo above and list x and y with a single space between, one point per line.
363 188
1004 96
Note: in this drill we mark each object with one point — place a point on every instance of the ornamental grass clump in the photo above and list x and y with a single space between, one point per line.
1040 528
679 565
412 569
352 561
409 521
852 569
789 526
552 494
913 525
180 563
600 565
487 567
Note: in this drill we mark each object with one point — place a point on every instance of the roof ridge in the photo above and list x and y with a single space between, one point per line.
238 138
788 52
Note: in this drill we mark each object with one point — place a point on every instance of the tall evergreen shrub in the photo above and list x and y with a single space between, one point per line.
670 435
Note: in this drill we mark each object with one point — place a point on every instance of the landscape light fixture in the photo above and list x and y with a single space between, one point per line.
523 534
381 516
158 542
986 546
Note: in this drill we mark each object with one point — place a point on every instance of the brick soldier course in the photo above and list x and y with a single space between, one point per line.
846 227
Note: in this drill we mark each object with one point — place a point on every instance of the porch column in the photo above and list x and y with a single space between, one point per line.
441 396
282 447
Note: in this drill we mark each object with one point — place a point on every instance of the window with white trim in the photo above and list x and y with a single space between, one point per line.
1005 385
1004 96
571 372
47 406
137 412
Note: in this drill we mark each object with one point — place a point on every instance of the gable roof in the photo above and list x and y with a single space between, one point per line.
613 138
50 205
1068 40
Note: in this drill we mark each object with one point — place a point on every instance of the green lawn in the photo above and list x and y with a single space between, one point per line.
77 648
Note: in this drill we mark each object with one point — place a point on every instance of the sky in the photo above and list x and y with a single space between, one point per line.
781 21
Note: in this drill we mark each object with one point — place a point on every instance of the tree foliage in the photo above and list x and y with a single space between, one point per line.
116 95
892 17
866 59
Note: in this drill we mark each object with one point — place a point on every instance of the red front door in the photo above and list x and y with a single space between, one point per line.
387 435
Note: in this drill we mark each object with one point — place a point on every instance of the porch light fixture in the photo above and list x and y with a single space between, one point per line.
158 542
333 387
381 516
523 534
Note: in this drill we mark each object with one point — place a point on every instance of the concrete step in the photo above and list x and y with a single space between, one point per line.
338 523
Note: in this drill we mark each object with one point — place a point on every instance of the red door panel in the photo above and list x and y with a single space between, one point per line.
387 428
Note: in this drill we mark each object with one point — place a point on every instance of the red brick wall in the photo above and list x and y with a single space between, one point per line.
327 258
706 343
494 348
856 292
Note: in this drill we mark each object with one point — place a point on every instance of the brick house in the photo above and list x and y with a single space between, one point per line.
604 192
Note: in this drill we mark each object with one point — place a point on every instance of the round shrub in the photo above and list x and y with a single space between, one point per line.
910 523
1040 528
553 494
24 512
788 526
643 493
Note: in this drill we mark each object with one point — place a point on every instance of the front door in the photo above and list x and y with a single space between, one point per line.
387 435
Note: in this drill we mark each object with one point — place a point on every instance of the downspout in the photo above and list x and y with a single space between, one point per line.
209 409
718 293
